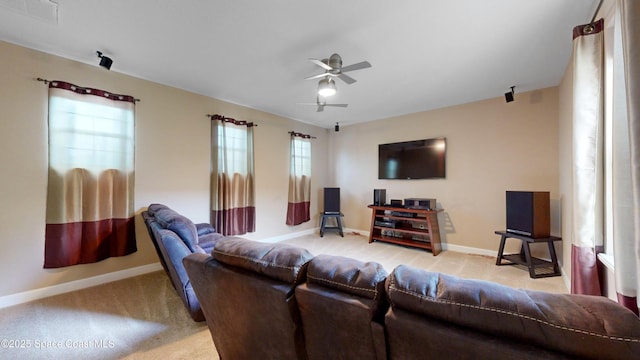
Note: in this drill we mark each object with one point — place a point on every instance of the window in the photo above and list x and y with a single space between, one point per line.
90 136
301 156
232 149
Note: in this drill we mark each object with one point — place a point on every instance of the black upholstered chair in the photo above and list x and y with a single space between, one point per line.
247 293
342 306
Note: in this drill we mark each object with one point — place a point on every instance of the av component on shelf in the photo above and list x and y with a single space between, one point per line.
396 203
389 223
403 214
418 203
379 197
416 225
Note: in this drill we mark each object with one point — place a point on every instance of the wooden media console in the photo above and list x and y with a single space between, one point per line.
410 227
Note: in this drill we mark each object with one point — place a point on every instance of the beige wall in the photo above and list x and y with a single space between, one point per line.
172 162
492 147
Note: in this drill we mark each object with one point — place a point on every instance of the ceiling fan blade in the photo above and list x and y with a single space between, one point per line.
358 66
337 105
321 64
317 76
346 78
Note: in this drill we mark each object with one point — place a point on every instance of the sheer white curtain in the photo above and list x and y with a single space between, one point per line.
589 92
627 242
588 169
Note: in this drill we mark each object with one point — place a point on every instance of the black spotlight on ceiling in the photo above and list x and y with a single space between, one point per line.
337 127
509 95
105 61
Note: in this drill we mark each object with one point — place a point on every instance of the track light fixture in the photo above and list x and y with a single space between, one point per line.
326 87
105 61
337 127
508 96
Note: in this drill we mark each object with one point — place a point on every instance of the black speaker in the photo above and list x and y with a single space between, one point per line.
379 197
508 97
332 200
528 213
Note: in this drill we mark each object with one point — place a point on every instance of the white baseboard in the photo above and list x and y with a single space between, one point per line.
26 296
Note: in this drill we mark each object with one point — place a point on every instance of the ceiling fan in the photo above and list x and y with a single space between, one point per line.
333 67
321 103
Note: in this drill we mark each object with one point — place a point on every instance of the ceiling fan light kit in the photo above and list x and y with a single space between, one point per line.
326 87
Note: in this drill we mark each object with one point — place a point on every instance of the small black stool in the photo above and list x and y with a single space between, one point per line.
323 222
525 258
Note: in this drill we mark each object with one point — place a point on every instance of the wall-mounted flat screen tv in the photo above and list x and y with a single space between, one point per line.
418 159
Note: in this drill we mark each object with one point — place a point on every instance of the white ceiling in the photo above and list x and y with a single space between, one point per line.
425 54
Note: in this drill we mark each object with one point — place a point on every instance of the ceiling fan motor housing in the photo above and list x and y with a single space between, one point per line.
335 61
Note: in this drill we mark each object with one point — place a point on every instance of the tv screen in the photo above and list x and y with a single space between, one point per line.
418 159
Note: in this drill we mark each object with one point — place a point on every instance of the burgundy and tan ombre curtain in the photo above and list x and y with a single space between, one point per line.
233 209
627 247
588 148
90 214
299 180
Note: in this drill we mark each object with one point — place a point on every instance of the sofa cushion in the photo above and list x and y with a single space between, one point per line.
205 228
365 279
181 225
153 208
208 241
277 261
341 305
581 325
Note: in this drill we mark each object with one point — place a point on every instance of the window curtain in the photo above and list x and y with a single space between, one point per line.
588 149
233 209
90 213
627 242
299 180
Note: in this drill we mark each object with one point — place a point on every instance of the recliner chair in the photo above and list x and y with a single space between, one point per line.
342 306
246 289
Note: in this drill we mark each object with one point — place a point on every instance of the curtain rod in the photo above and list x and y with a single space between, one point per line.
593 19
45 81
231 120
302 135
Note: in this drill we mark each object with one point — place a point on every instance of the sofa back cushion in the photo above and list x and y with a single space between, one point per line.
181 225
246 290
573 325
277 261
153 208
364 279
341 306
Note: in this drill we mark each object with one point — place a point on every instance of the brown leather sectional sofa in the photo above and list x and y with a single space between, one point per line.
273 301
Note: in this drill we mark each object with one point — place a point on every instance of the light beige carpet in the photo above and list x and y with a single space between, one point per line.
143 317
